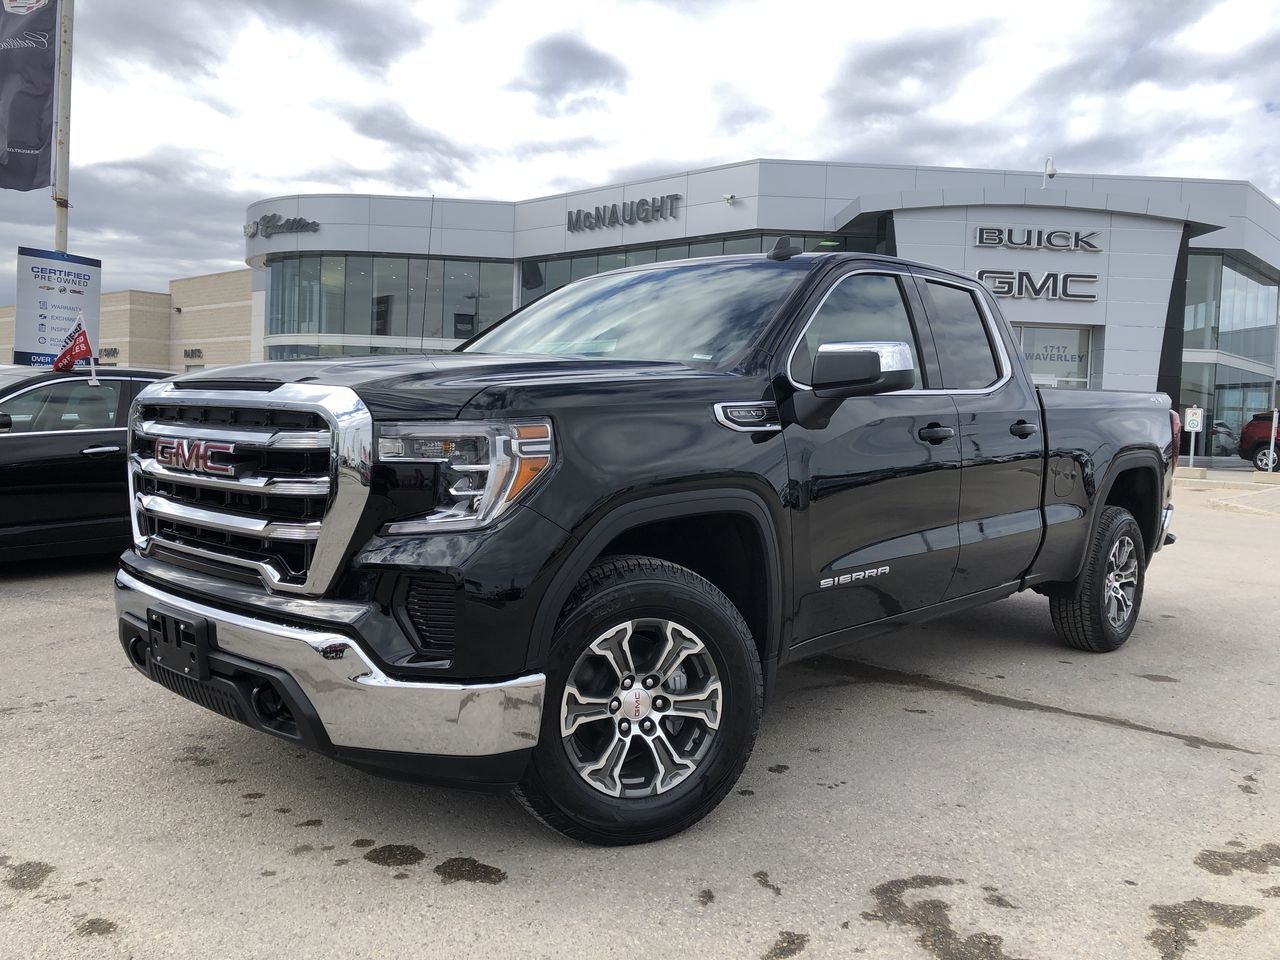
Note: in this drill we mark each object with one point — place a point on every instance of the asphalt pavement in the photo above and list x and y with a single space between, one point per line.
966 790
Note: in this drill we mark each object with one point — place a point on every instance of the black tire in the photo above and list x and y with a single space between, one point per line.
1262 457
1080 617
638 589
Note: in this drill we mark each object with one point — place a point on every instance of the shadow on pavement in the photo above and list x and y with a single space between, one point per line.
17 571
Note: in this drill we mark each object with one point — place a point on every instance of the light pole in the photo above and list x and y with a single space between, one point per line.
62 160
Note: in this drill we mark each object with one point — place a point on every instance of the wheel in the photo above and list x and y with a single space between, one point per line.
1100 616
1264 459
654 696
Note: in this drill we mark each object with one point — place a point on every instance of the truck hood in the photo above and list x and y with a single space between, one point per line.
432 386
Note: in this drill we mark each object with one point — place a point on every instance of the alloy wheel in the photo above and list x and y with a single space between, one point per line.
641 708
1121 583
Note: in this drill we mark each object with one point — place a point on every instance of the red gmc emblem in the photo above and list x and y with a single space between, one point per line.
194 456
635 703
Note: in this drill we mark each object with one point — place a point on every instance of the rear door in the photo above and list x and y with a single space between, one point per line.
62 463
1001 436
875 480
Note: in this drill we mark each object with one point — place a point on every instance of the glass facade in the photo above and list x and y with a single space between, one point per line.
1231 308
542 276
1231 314
314 298
383 296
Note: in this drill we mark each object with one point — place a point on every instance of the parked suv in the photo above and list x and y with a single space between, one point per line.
62 460
571 556
1255 443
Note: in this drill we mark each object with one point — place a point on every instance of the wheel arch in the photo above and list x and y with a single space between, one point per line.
635 523
1146 470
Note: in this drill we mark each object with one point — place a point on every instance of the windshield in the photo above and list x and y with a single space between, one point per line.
697 313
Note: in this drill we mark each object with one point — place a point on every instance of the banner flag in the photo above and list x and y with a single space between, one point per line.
28 75
75 347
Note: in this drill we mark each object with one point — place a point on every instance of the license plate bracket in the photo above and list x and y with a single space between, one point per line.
179 643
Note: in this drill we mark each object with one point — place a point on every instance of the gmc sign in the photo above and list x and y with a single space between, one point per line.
1050 286
194 456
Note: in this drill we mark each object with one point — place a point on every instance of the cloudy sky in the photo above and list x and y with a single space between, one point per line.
186 110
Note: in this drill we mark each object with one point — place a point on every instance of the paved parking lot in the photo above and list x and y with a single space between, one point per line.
962 791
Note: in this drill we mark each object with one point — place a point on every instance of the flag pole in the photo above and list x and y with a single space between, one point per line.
62 162
93 369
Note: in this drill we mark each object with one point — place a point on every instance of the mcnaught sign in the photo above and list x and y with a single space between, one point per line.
1018 284
631 211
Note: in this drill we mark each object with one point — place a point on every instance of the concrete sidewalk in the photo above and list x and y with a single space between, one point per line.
1243 491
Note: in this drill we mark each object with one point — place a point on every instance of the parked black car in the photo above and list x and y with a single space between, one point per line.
572 555
63 484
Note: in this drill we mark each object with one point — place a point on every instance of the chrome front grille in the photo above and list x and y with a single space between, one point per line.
270 481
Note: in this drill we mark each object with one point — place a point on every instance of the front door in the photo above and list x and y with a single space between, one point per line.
62 464
875 480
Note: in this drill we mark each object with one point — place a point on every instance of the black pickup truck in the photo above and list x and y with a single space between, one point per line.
570 557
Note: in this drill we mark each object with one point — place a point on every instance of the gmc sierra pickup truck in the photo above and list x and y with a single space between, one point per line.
570 557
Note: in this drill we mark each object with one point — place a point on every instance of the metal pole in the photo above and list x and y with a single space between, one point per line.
62 161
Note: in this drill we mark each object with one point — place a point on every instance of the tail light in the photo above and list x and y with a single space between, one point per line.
1175 422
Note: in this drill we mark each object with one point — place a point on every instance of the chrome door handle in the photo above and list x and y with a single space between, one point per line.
1023 429
99 451
935 433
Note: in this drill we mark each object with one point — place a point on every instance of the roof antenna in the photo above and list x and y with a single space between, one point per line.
784 249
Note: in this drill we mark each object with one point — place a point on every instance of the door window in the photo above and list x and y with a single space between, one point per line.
64 405
964 345
860 307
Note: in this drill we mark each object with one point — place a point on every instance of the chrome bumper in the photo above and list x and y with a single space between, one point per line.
359 706
1166 536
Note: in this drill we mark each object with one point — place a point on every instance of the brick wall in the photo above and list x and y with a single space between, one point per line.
211 315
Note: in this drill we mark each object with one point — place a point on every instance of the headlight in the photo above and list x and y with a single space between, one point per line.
481 469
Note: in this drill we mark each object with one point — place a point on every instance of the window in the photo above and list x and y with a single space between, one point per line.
581 267
357 319
65 405
495 293
390 297
742 245
611 261
461 294
1057 356
860 307
960 334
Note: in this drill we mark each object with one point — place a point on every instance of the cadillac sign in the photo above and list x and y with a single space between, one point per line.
270 224
629 212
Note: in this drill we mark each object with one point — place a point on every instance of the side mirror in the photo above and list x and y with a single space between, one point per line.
6 423
862 369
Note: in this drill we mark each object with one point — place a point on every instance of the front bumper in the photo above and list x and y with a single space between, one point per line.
336 699
1166 537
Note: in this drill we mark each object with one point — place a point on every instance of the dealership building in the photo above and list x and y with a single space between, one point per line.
1131 283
